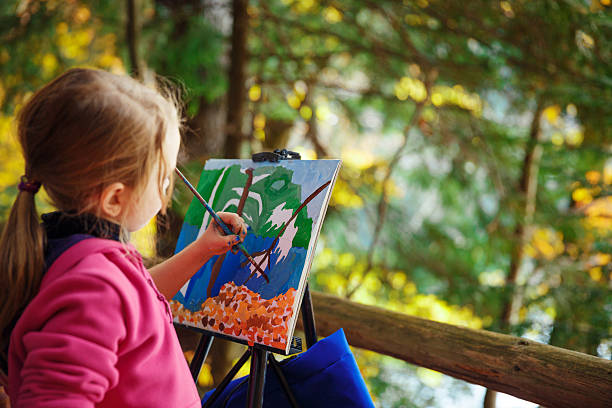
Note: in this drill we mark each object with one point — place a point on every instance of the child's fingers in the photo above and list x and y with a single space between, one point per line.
234 222
231 243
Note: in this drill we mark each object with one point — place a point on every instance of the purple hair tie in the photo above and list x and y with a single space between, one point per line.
31 186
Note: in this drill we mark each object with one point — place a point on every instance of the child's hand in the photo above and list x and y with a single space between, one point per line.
214 242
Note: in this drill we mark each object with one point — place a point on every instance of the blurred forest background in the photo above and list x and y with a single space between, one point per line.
476 139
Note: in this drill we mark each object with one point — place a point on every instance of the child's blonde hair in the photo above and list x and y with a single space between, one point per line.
79 134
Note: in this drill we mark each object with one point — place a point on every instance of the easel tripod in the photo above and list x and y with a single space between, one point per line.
260 356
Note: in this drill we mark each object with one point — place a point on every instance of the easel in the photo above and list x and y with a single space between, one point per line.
259 355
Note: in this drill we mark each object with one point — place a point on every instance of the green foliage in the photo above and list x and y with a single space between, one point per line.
188 51
430 105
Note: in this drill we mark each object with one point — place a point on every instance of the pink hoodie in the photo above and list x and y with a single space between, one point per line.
98 334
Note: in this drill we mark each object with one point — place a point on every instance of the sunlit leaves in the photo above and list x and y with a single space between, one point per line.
545 243
410 87
332 15
458 96
335 272
254 93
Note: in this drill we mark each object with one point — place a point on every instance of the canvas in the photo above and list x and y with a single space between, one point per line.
283 205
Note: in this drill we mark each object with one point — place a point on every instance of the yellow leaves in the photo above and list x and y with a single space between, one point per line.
432 308
323 112
331 42
259 123
297 95
506 8
410 87
371 283
359 159
144 239
332 15
398 280
494 278
304 5
61 28
205 379
306 112
542 289
456 95
413 19
2 94
346 260
607 173
545 243
595 273
300 89
344 196
436 99
551 114
582 196
574 137
305 154
111 62
49 65
593 176
254 93
557 139
293 100
429 377
259 134
11 161
583 40
603 259
81 15
599 214
74 44
340 272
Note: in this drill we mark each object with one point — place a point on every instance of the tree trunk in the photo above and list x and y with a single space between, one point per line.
131 36
547 375
237 89
527 189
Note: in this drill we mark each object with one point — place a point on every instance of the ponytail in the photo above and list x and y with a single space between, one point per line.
22 262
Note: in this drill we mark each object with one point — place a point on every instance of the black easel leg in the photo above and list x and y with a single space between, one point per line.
200 355
257 378
283 381
226 380
308 318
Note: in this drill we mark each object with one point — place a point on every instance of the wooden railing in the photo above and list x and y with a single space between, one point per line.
547 375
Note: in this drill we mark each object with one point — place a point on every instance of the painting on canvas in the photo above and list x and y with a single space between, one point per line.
283 205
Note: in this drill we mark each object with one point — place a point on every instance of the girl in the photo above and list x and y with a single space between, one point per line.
88 324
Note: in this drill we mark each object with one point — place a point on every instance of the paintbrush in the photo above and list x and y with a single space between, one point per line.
224 227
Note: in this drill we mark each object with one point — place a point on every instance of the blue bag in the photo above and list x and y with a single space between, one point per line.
325 375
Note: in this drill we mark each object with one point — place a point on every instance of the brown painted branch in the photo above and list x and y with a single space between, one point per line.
547 375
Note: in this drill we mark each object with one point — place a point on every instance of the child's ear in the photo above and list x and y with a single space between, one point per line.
114 200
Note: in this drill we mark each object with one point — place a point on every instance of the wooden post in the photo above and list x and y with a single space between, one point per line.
547 375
